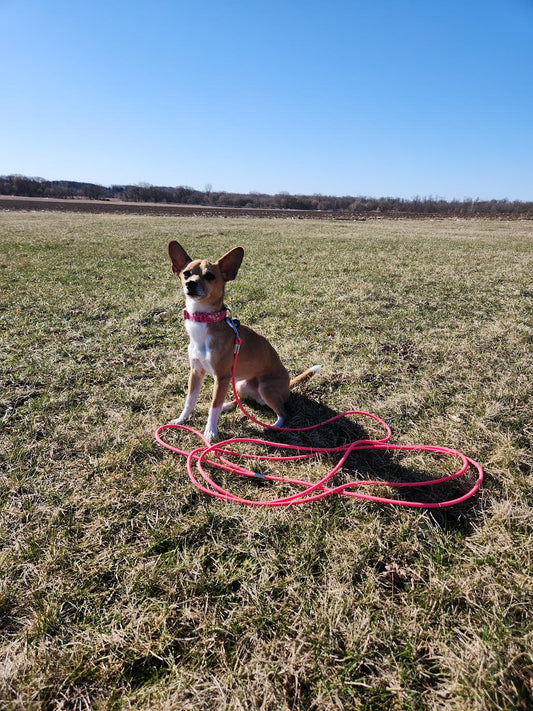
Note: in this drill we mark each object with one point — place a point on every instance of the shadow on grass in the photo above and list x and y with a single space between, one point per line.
379 465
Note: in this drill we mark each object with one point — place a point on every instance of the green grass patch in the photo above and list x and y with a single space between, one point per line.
123 587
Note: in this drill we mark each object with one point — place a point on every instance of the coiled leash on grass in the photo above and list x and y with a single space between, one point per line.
221 454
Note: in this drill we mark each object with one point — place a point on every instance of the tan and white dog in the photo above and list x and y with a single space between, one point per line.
259 374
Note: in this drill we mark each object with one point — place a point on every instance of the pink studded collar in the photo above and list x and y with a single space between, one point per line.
205 316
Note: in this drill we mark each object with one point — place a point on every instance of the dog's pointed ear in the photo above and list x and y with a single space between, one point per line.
229 264
178 256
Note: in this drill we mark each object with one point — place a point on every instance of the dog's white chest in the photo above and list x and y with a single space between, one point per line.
199 345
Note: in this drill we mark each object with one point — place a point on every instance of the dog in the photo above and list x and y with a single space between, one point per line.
260 374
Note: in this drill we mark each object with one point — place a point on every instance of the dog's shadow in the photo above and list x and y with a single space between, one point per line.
378 465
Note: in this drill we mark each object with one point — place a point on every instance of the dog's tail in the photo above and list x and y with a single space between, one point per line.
306 375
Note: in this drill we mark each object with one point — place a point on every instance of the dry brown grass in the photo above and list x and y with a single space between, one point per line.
122 587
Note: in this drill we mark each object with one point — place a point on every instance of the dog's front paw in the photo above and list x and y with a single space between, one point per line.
210 434
179 420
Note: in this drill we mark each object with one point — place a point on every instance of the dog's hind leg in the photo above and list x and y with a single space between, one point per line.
246 390
275 394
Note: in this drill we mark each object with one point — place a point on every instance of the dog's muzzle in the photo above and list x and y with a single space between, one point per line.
193 288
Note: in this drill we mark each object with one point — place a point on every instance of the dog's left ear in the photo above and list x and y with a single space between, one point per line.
178 256
229 264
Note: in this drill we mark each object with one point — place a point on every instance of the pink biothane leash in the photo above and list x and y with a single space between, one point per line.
223 456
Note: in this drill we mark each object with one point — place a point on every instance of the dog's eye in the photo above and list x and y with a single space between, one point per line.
209 276
186 274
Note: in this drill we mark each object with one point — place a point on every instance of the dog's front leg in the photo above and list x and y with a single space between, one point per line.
196 378
219 393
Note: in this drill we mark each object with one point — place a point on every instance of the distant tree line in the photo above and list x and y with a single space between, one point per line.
22 186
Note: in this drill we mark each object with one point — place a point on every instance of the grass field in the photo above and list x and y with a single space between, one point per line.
125 588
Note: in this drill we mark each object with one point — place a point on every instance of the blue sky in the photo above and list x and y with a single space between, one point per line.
375 97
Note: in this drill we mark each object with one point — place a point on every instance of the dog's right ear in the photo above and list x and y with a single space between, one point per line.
229 264
178 256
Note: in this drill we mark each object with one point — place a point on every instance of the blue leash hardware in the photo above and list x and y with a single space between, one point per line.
234 324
